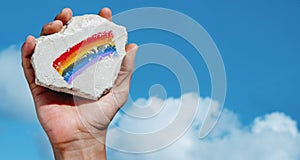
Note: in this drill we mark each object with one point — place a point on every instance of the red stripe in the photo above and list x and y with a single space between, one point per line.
69 52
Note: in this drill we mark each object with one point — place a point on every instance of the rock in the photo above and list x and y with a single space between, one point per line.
83 59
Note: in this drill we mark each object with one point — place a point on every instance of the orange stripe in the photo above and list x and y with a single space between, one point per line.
79 53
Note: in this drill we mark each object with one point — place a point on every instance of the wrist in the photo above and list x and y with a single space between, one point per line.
88 153
92 150
83 149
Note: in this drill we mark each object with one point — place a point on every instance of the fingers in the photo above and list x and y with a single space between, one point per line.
106 13
127 66
128 63
27 50
61 19
52 27
64 16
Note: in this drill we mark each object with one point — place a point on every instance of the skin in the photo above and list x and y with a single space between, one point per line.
77 127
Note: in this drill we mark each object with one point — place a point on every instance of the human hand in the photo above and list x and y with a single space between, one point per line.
76 127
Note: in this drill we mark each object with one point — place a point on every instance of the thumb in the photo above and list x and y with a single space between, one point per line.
121 87
127 66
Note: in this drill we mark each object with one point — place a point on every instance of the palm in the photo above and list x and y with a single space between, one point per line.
63 116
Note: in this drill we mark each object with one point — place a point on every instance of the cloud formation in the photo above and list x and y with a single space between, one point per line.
15 98
272 136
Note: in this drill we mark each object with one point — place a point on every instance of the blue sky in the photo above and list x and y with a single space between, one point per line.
258 41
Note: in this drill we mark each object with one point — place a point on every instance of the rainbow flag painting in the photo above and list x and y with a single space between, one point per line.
84 54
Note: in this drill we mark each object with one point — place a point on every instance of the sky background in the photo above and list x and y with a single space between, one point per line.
258 41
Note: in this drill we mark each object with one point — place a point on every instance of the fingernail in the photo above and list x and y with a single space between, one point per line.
136 47
50 23
64 10
29 38
26 40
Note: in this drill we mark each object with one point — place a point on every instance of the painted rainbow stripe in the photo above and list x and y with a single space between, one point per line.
84 54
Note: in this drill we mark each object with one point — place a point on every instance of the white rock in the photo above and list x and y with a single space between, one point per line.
96 65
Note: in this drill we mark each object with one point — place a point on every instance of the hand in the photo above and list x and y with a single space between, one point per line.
76 127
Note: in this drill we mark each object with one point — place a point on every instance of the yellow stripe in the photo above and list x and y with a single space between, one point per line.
79 53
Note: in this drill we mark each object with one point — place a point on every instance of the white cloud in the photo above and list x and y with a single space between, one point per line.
273 136
275 122
15 98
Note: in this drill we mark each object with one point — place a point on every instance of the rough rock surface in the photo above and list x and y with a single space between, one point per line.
83 59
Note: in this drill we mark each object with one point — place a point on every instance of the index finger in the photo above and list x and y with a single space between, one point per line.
106 13
64 16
